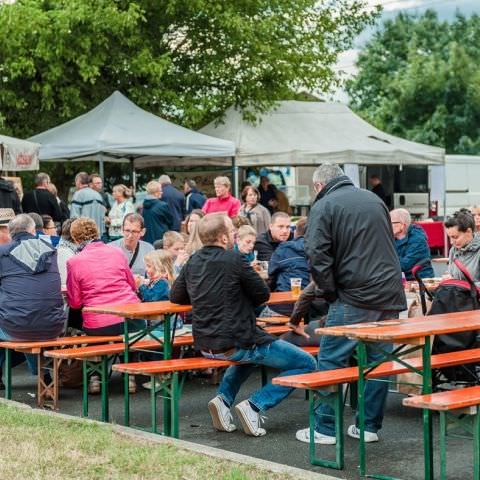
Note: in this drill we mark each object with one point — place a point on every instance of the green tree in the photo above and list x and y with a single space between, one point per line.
418 78
187 60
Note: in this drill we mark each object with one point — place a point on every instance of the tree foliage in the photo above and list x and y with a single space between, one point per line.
187 60
419 78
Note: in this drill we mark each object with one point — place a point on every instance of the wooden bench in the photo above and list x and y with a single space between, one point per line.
95 360
170 385
333 380
46 390
462 406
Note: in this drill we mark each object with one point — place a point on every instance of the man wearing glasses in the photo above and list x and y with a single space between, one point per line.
132 247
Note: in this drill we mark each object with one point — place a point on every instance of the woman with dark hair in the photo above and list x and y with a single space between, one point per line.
465 244
256 214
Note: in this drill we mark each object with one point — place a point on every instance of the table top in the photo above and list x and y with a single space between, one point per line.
150 309
394 331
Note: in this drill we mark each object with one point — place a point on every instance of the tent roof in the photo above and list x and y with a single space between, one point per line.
308 133
18 155
118 128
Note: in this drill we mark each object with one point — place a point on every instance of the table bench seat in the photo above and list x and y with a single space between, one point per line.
462 406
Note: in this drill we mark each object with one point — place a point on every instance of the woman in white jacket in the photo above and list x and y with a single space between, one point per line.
121 207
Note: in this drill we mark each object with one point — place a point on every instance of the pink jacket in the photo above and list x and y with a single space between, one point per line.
230 205
99 275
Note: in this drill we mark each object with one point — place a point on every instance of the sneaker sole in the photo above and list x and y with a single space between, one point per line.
246 424
217 423
366 440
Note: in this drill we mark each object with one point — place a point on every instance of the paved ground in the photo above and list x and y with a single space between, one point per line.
399 453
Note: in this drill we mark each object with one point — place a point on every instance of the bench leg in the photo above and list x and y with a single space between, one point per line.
153 403
336 402
85 389
8 374
104 388
476 445
175 397
443 446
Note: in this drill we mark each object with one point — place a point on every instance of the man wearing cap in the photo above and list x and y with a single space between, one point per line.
6 214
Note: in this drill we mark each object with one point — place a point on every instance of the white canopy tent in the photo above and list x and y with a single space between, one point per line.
309 133
119 130
18 155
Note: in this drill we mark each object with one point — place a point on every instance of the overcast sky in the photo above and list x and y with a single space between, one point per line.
446 10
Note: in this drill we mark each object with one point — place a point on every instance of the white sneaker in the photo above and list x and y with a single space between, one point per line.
94 385
304 436
221 416
354 432
251 420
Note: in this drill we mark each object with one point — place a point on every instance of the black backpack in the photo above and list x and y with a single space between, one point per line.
457 296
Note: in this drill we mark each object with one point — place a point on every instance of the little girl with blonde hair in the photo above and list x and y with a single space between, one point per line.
159 270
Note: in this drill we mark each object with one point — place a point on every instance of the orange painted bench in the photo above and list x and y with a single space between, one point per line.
170 386
46 390
462 406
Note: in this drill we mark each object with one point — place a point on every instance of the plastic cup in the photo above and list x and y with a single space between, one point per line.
296 286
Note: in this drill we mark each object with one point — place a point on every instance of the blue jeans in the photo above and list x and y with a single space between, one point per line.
31 359
284 356
335 352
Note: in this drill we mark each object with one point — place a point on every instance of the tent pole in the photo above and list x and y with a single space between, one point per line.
235 176
133 177
445 238
101 167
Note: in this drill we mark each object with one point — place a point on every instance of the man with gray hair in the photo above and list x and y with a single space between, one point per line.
349 242
31 304
175 201
41 200
411 244
194 198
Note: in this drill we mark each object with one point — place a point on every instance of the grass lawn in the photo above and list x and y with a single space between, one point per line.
35 446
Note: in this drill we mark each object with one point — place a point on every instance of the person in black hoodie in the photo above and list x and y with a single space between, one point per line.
349 243
156 213
224 291
279 231
42 201
9 196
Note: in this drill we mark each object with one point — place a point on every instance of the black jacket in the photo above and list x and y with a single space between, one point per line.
43 202
265 246
349 242
9 197
223 290
176 204
158 219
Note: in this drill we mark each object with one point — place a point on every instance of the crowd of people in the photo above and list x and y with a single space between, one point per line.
224 257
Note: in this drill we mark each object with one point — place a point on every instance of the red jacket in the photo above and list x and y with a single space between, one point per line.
229 205
99 275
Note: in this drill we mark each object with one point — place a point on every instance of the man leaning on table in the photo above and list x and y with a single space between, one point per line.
349 242
224 291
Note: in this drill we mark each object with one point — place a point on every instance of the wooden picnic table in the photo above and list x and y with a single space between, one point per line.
161 311
416 332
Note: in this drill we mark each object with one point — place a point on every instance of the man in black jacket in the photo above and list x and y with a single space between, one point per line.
224 291
349 243
279 231
42 201
9 197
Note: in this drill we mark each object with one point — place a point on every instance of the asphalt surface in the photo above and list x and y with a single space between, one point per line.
399 452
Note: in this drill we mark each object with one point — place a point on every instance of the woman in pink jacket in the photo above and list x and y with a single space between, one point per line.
224 201
98 275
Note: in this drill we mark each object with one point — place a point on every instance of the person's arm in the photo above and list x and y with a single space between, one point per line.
206 206
302 305
274 269
319 250
252 285
74 290
55 208
414 253
75 207
156 293
168 218
178 292
16 205
234 207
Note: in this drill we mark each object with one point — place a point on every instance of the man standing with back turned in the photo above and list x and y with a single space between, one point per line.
224 290
349 243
